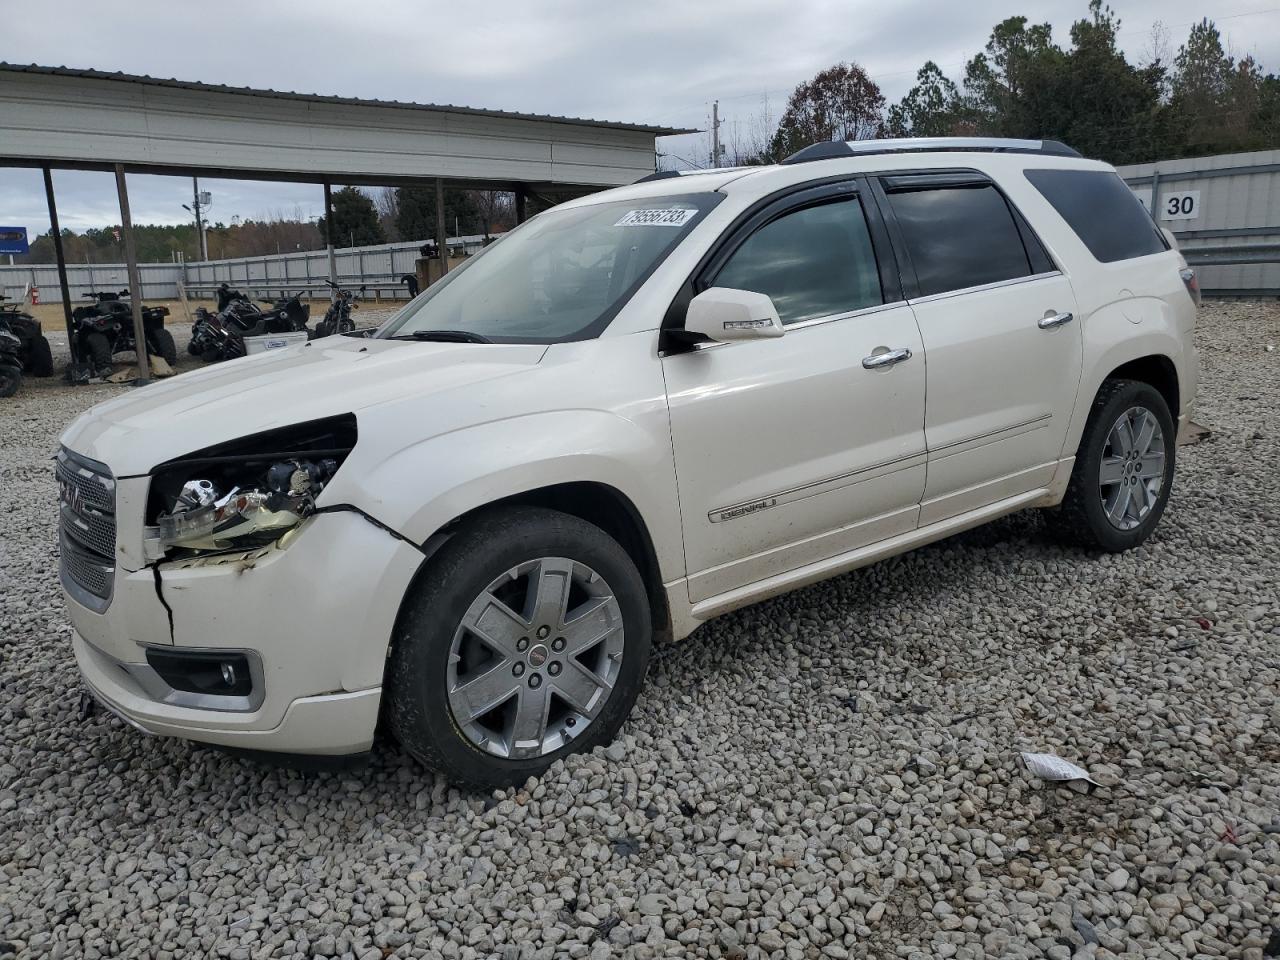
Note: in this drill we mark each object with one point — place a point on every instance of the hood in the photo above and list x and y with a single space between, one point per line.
146 426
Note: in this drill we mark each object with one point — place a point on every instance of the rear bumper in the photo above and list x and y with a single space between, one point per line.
329 724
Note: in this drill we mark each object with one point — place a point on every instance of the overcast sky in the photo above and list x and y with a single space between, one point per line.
658 61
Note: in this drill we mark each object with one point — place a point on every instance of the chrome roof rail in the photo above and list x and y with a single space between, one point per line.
857 148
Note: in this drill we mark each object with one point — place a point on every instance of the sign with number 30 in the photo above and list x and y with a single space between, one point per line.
1183 205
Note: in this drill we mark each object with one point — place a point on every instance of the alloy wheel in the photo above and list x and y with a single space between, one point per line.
1131 474
535 658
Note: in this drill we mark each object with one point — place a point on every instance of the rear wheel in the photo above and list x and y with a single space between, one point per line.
527 640
1123 472
10 380
40 359
162 341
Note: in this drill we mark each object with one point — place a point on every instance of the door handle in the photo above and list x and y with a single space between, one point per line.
877 360
1056 320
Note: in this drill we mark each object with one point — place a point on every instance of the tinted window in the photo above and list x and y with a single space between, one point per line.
813 262
959 237
1102 211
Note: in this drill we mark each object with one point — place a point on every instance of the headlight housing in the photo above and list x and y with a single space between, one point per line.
247 493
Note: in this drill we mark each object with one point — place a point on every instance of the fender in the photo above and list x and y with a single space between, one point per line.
423 487
1121 332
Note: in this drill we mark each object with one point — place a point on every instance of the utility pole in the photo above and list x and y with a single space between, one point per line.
715 134
195 202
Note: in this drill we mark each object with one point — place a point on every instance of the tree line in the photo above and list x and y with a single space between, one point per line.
360 218
1198 101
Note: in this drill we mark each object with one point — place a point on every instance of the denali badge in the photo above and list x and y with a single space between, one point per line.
741 510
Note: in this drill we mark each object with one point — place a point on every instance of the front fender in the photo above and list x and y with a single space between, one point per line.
421 488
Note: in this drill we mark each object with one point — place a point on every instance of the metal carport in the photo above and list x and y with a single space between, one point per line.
62 118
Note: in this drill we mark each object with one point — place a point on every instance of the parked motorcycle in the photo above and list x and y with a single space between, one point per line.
105 328
37 357
337 319
221 335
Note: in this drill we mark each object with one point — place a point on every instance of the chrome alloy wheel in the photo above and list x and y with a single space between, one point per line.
535 658
1131 474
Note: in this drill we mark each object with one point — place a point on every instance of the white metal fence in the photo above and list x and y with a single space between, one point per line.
378 268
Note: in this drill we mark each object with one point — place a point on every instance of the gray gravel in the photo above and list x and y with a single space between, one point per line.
830 774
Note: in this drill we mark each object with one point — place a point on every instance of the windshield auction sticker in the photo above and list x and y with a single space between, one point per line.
671 217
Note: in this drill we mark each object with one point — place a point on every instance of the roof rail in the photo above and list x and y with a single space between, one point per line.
858 148
668 174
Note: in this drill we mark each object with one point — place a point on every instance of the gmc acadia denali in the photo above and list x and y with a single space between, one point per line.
637 411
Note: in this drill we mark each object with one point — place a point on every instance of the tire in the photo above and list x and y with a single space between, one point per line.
1119 515
485 749
98 349
10 380
193 348
40 359
162 340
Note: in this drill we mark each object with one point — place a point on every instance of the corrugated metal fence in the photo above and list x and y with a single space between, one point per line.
1225 213
378 268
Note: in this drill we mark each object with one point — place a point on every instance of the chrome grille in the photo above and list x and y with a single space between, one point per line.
87 521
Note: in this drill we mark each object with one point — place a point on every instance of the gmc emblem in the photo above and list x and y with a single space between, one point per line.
71 496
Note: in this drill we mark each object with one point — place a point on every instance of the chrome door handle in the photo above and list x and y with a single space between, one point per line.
1057 320
886 359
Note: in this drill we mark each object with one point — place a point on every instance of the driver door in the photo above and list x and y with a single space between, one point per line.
789 451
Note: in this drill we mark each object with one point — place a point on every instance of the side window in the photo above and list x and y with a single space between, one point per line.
813 262
959 237
1102 211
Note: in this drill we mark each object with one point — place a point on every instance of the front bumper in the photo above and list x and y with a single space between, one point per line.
316 614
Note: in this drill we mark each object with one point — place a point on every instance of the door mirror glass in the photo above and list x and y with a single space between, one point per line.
724 314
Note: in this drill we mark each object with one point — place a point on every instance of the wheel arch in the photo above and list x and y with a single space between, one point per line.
599 504
1155 369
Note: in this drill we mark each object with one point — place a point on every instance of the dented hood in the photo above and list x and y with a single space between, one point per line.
145 427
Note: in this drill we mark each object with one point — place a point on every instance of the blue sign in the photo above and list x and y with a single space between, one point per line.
13 240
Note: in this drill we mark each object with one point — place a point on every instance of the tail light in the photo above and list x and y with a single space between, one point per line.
1191 282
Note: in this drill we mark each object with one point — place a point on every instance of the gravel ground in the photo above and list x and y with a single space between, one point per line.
830 774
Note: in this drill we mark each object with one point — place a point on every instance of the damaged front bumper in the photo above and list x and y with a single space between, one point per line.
313 617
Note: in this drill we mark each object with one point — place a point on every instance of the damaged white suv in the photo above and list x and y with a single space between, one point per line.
640 410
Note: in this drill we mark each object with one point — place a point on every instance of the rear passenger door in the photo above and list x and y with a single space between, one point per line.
997 320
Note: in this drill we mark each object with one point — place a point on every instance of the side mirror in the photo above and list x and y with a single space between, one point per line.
724 314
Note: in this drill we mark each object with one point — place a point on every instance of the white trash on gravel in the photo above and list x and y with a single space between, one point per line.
1046 766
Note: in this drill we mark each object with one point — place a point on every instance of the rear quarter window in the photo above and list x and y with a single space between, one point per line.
1102 211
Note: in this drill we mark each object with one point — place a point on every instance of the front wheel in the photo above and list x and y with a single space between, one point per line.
526 640
1123 471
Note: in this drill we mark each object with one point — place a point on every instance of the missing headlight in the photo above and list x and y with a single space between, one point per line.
249 492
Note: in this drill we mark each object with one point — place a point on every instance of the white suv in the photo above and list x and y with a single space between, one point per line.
640 410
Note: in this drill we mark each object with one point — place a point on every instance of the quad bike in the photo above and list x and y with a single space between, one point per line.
34 352
10 359
105 328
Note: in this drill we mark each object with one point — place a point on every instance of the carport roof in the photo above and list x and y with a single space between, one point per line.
657 131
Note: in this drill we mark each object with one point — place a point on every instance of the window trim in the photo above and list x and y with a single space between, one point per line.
764 211
982 287
915 181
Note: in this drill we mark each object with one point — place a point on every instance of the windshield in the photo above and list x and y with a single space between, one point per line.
561 276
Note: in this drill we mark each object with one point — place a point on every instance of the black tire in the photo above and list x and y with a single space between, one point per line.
10 380
162 341
40 359
1081 519
194 348
416 682
97 350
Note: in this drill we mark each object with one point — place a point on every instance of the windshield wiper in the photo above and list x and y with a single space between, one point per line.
443 336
